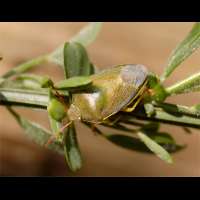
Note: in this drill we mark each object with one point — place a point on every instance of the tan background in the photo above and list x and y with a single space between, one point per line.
146 43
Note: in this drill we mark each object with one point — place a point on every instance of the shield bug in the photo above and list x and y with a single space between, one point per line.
112 90
117 89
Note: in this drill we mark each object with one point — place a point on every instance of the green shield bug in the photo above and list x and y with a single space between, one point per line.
112 90
117 89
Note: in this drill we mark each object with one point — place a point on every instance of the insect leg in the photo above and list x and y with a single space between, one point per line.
50 140
111 121
64 127
130 109
57 134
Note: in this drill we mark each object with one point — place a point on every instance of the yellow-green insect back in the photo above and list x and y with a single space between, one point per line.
112 90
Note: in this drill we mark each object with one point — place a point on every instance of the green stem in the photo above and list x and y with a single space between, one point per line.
178 109
164 112
26 66
169 117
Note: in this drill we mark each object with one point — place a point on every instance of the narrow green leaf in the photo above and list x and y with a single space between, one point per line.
183 50
151 127
178 110
76 61
190 84
88 34
24 97
34 81
36 133
155 148
40 81
71 149
134 144
19 84
74 82
85 37
26 81
128 142
25 66
173 148
162 138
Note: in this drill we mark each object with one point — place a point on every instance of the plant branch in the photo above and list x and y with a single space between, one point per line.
26 66
173 117
164 112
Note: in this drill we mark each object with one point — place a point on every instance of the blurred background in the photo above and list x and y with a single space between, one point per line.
118 43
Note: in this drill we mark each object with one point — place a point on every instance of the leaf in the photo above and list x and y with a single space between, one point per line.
24 97
38 81
162 138
71 149
74 82
156 148
25 66
166 141
128 142
88 34
36 133
41 81
85 37
19 84
190 84
151 127
183 50
134 144
76 61
26 81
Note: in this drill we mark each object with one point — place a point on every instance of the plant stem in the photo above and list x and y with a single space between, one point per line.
164 112
26 66
175 118
178 109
